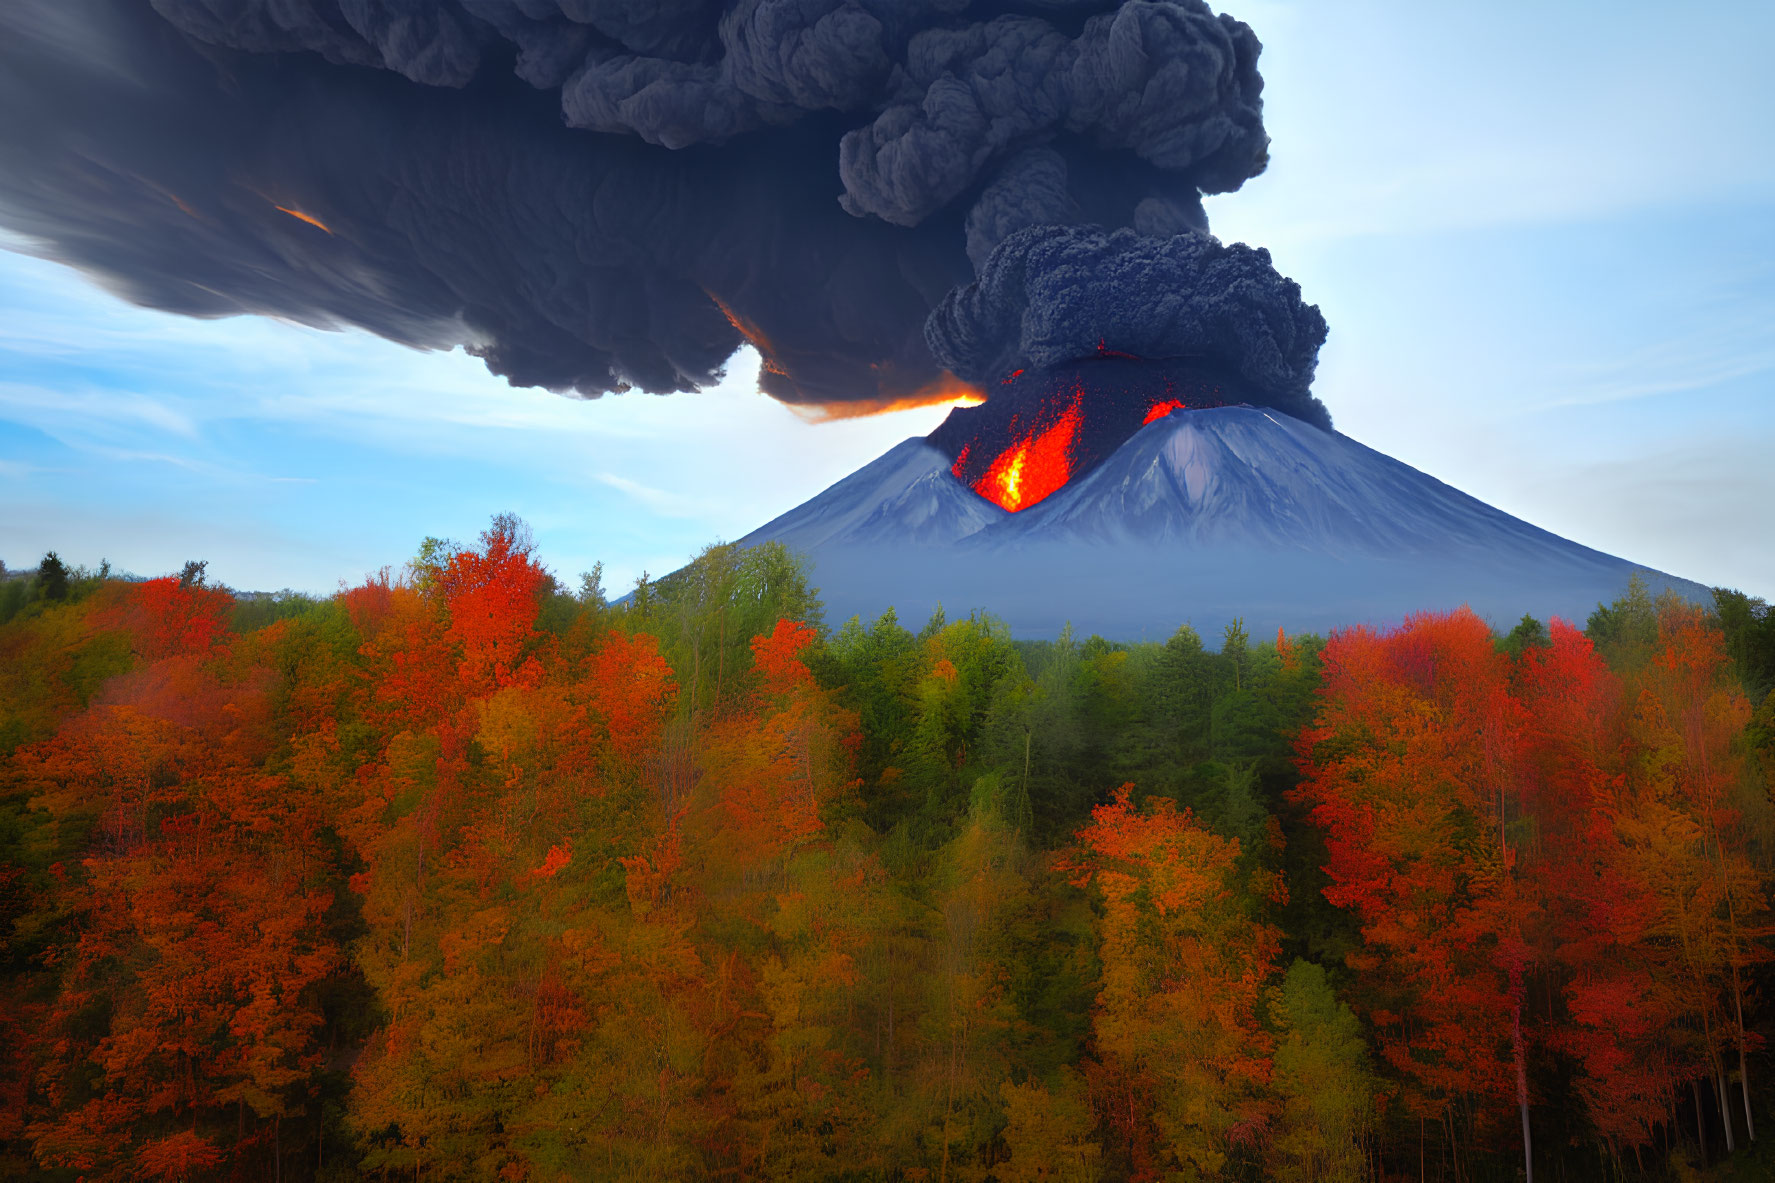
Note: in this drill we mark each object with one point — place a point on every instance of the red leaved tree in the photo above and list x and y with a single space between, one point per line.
1414 769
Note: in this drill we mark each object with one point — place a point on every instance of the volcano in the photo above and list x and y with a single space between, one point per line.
1159 498
1045 428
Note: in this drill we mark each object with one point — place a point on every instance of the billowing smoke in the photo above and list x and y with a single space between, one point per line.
1053 294
600 195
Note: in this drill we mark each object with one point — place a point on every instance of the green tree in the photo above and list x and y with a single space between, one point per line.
1749 627
591 587
52 578
1179 704
434 555
1529 633
1324 1084
1048 1132
706 613
14 594
1233 649
877 671
1626 631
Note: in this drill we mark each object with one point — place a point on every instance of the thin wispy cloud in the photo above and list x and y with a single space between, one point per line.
661 501
1699 362
92 408
206 468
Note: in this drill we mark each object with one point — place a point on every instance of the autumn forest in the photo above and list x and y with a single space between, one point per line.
467 873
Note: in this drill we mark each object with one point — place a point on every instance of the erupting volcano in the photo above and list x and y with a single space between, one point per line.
1043 428
1158 499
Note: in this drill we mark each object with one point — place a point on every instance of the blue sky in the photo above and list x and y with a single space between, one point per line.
1544 237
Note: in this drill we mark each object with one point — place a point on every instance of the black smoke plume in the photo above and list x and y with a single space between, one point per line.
600 195
1053 294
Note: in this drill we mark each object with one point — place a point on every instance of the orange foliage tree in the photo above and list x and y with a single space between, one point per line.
781 864
199 904
1185 965
1686 847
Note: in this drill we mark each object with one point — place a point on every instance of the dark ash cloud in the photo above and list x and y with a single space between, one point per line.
600 195
1053 294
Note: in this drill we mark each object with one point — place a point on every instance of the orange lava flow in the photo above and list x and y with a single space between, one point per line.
1160 410
309 218
1034 467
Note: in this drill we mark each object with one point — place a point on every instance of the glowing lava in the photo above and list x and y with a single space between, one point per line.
302 217
1033 467
1043 428
1161 409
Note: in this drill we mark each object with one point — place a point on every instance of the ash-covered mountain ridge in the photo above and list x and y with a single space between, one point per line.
1201 516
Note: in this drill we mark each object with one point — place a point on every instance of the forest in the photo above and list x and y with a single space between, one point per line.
469 873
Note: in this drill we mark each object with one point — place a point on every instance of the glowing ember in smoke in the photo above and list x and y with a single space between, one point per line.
309 218
169 195
744 328
1035 466
1160 410
947 390
1103 350
752 333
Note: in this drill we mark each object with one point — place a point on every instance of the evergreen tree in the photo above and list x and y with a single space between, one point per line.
52 578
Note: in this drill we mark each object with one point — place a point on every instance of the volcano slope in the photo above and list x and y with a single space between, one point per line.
1201 516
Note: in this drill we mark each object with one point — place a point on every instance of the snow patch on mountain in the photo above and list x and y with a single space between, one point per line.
1200 517
905 497
1260 478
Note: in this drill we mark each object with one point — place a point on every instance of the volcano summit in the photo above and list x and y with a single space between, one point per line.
1172 502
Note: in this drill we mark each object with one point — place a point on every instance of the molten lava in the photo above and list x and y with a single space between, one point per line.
302 217
1161 409
1040 429
1035 466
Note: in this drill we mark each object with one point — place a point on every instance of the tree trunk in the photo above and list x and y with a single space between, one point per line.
1026 738
1700 1119
1528 1152
1719 1084
888 1059
1750 1129
1737 990
721 656
948 1109
1516 991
